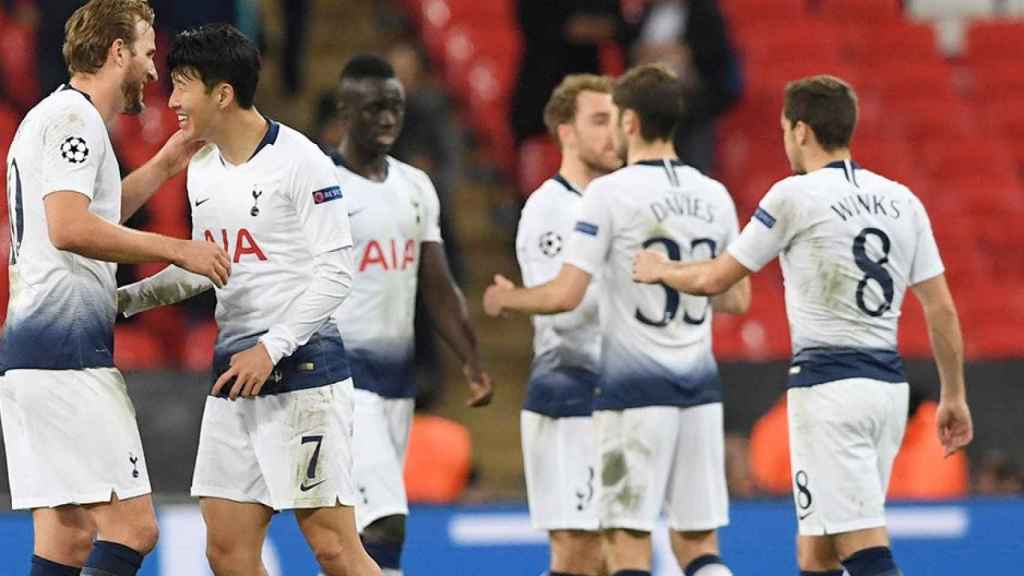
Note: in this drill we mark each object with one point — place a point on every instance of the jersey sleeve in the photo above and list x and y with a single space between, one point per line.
74 142
592 234
769 230
539 243
431 210
320 205
927 262
730 219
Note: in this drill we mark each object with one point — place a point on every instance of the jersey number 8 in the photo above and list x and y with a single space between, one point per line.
873 270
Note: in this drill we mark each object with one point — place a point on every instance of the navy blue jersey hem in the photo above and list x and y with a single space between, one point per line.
560 392
320 362
813 366
388 375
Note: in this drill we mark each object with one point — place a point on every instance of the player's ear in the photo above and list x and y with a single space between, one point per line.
225 94
117 52
566 135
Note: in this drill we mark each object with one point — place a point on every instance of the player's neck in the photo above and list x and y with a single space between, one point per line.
818 158
104 93
240 135
576 171
640 150
370 165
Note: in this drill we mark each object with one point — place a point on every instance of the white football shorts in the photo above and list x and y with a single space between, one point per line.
71 437
843 438
285 451
662 458
559 460
381 437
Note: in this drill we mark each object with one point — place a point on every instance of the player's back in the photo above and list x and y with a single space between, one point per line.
61 309
851 242
656 347
390 221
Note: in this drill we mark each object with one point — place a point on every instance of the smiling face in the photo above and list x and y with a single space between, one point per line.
373 110
196 106
141 69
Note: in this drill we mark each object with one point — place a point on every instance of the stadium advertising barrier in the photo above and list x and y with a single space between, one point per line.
948 539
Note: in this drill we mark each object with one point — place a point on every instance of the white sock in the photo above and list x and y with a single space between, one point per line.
714 570
390 572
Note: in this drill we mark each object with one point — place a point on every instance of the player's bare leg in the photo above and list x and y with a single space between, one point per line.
576 552
817 554
234 536
331 534
63 534
626 550
697 553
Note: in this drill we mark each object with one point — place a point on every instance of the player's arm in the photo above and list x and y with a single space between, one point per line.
735 300
72 227
562 294
446 308
139 186
954 416
168 286
706 278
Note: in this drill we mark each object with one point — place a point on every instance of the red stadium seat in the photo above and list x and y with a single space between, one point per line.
903 84
811 40
198 353
936 119
879 42
862 12
18 64
995 40
1000 79
740 12
136 348
967 158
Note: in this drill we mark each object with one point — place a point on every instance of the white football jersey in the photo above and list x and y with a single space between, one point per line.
656 345
272 214
567 346
62 306
851 242
390 221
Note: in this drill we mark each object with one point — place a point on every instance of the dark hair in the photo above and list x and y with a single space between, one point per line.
825 103
363 66
216 53
655 93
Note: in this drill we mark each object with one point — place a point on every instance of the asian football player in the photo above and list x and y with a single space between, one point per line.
277 427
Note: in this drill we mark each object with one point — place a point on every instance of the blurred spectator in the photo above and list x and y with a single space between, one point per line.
559 37
691 36
429 139
327 130
738 472
296 16
998 476
769 450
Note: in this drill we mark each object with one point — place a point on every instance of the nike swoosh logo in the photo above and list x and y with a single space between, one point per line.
305 488
803 516
354 212
200 202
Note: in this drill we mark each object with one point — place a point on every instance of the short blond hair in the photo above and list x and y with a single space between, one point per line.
561 107
91 30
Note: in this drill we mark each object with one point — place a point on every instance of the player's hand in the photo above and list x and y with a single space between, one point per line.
493 305
249 370
481 388
955 427
176 152
206 258
647 266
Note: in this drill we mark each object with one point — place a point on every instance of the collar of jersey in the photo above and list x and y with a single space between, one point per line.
841 164
339 160
73 89
660 163
568 185
269 137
